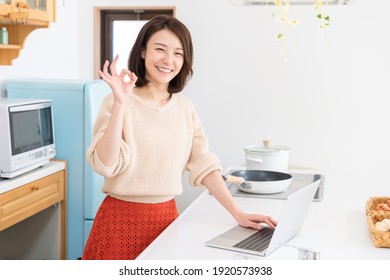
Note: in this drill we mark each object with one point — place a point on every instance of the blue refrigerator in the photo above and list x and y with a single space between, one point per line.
75 106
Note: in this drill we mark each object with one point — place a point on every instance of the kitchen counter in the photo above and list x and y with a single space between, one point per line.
336 227
33 175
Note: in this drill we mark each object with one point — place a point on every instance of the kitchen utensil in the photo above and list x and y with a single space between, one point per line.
267 157
263 181
299 181
237 181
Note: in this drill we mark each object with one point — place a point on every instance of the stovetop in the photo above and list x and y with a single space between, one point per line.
298 181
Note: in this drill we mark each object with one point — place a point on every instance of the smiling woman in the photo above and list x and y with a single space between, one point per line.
163 52
146 135
163 58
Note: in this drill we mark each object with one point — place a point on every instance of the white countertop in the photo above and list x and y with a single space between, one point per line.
336 227
33 175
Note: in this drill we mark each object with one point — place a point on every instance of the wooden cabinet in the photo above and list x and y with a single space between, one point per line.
21 17
27 200
23 202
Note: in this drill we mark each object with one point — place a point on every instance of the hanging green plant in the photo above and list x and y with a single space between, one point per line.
282 15
320 15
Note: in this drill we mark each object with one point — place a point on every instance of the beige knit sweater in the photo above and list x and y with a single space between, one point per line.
159 143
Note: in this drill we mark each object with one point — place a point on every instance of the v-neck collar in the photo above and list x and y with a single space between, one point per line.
159 108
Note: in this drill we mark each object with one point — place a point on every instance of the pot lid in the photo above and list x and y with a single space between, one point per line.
267 147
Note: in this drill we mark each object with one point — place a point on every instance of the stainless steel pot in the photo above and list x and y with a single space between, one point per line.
267 157
260 181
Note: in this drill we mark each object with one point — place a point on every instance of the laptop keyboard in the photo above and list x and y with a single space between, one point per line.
257 241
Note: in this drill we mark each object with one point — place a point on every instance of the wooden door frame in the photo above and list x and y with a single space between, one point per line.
97 60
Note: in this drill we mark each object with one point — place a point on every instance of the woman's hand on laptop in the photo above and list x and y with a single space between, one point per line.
254 220
216 186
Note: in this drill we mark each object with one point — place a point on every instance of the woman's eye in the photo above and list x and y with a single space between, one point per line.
179 54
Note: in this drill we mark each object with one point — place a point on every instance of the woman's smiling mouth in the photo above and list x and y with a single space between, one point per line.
165 70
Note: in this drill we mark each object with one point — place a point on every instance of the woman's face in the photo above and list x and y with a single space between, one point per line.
164 57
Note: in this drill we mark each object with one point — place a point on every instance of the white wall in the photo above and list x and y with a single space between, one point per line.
329 103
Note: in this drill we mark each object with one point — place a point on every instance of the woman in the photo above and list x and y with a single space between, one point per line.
145 136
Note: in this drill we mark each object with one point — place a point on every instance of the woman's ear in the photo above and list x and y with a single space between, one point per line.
143 54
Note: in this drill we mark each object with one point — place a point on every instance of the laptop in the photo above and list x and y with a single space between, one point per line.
263 242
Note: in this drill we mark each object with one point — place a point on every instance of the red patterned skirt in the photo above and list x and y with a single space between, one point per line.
122 229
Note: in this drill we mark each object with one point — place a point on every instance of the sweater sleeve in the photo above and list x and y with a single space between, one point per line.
201 161
100 126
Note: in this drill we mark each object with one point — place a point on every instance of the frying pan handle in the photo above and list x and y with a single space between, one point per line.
233 179
258 160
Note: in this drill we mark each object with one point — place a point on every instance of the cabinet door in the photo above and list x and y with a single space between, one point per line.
37 11
41 10
28 11
5 7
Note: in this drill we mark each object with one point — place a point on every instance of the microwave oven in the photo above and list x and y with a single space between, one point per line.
27 135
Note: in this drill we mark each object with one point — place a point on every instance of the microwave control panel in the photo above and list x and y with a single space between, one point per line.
28 157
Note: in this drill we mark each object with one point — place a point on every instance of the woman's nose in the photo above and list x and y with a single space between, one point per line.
168 58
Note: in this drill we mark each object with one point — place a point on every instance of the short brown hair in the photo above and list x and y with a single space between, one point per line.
137 64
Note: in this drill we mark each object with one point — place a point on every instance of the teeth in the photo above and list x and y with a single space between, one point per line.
164 70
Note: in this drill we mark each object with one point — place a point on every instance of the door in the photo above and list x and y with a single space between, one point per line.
118 29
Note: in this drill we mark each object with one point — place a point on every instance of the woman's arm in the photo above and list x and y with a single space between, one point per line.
216 186
122 85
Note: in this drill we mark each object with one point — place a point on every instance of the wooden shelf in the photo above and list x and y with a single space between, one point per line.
20 23
10 47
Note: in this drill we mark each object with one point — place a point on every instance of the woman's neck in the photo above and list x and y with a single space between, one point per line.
153 95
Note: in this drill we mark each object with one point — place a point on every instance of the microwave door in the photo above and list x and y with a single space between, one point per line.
24 132
30 129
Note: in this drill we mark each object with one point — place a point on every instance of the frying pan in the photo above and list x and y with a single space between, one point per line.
261 181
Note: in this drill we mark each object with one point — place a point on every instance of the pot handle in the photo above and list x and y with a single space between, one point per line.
258 160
